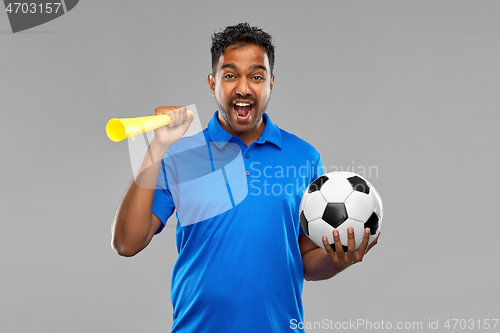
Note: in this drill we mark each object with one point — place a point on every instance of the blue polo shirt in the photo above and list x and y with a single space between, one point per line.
241 269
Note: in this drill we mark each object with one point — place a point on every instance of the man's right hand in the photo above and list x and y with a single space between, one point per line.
180 120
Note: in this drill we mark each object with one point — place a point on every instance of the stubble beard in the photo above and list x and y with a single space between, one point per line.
225 116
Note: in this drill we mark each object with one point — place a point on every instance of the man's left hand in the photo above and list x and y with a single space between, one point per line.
339 260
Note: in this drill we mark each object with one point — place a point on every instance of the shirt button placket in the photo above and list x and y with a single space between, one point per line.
247 156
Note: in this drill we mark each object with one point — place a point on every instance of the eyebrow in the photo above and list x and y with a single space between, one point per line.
233 66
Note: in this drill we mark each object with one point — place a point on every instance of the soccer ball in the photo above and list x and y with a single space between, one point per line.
338 200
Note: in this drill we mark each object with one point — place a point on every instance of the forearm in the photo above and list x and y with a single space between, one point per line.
133 219
316 266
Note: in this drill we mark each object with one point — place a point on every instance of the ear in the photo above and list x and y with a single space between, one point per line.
211 83
272 83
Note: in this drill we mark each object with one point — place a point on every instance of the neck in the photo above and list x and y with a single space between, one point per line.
247 137
253 135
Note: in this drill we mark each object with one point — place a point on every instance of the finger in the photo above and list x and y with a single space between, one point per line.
177 108
162 110
329 249
177 117
351 245
166 109
173 119
363 246
338 245
181 116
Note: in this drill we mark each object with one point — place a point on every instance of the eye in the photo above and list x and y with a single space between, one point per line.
229 76
258 78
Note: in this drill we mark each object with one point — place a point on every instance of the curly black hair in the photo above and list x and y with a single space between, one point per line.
241 33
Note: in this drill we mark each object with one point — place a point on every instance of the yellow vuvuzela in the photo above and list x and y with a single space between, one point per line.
118 129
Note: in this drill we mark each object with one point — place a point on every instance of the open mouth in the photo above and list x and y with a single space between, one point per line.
242 109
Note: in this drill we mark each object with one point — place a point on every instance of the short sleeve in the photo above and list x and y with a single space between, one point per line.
163 204
318 169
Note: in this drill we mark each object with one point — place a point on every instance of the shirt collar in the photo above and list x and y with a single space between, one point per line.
220 136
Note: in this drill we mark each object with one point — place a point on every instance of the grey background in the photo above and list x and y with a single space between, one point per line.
411 87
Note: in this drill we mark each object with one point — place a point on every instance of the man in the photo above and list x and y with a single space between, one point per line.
241 270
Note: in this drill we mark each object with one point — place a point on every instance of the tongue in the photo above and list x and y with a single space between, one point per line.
242 110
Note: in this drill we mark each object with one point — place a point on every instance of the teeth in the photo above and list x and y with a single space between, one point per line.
242 104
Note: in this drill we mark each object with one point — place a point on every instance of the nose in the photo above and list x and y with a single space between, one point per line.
243 88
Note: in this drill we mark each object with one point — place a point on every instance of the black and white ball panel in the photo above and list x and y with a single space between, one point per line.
377 201
359 184
314 206
303 222
373 223
359 206
336 190
317 229
335 214
317 184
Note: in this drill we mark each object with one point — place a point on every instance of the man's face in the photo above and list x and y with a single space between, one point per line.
242 85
